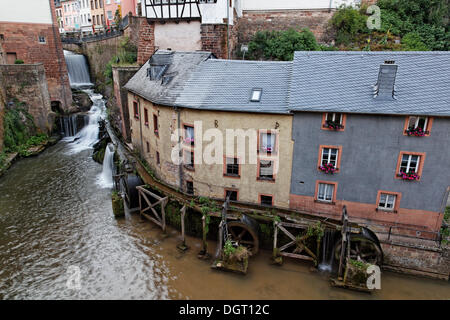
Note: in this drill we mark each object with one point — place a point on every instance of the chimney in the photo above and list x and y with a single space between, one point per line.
385 87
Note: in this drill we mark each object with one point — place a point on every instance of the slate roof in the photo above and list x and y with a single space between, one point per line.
227 85
181 65
343 82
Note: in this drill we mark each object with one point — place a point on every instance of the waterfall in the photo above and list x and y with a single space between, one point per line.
88 136
328 240
105 179
78 70
69 124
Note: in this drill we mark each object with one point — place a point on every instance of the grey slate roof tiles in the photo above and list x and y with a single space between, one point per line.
181 65
227 85
313 82
343 82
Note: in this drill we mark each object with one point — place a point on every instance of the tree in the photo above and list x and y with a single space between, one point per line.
347 22
117 18
281 45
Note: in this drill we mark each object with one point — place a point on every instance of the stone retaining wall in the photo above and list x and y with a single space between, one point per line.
27 83
423 261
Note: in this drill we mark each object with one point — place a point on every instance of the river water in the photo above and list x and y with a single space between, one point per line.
54 217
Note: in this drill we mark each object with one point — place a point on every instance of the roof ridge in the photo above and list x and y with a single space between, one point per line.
252 61
371 53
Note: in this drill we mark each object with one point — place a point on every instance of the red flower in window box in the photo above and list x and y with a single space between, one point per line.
417 132
410 176
328 168
267 149
156 131
333 125
189 140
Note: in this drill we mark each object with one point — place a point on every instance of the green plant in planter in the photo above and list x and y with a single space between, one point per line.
117 204
228 249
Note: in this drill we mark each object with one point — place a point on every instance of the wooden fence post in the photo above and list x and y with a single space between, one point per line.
183 212
182 246
275 237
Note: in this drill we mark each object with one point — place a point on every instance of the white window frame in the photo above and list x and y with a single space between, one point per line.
329 156
388 197
273 137
416 124
256 95
327 187
408 166
334 116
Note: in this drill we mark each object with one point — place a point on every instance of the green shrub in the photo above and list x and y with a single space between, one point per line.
228 249
280 45
127 54
18 128
445 231
347 22
413 42
427 18
18 61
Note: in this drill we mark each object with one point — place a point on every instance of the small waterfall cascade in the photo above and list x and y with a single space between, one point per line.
78 70
88 136
70 125
326 263
105 179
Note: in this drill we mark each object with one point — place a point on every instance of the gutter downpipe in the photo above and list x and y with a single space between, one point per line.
140 127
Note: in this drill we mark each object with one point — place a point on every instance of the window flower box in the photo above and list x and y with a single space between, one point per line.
411 176
416 132
267 149
333 125
328 168
189 141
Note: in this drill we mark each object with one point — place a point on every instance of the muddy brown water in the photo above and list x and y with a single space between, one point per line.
53 216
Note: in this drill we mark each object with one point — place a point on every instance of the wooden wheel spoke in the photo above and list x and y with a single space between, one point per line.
242 234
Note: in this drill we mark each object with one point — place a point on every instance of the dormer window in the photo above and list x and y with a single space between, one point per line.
155 72
256 95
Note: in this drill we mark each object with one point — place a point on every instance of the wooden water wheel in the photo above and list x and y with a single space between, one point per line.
244 232
361 249
128 186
